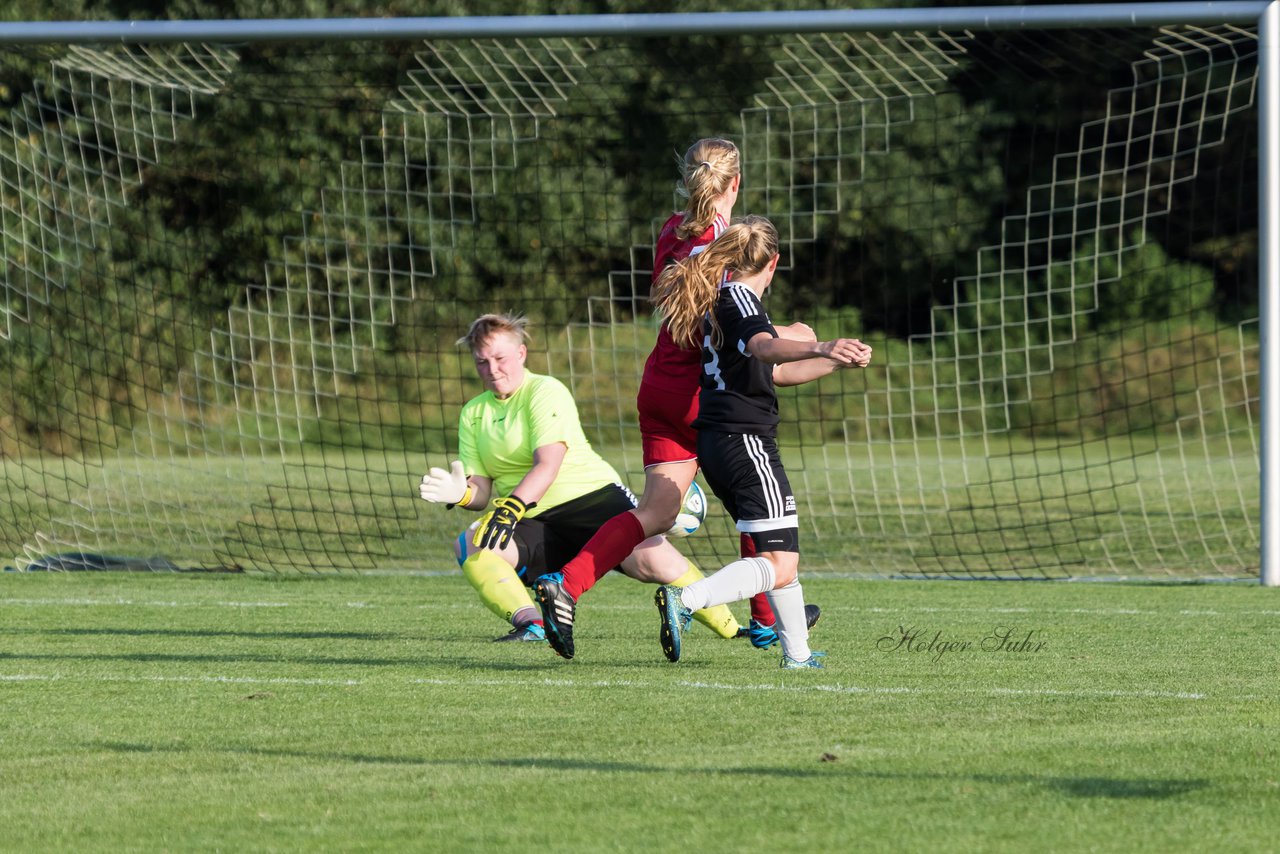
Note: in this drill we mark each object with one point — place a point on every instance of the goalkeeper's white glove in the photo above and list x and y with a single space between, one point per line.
448 487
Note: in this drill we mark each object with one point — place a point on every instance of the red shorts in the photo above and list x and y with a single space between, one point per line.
665 416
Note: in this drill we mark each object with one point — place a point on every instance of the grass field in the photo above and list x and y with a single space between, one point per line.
198 712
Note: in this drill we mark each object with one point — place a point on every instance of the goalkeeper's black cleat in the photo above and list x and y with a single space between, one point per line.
558 610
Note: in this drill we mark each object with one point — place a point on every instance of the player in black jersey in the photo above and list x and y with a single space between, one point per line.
743 359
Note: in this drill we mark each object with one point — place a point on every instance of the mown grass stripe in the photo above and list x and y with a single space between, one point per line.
625 684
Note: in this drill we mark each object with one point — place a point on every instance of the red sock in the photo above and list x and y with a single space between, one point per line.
761 610
616 539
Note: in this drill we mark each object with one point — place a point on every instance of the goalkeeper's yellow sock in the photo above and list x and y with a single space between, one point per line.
717 618
496 581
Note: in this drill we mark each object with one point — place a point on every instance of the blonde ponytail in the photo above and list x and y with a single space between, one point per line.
707 169
687 290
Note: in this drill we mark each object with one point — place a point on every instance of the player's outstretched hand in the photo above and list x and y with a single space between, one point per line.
863 357
848 352
444 487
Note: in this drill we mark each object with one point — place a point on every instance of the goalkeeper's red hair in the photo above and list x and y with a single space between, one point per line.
686 291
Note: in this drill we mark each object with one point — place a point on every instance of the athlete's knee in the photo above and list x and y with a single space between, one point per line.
664 488
656 517
786 567
462 545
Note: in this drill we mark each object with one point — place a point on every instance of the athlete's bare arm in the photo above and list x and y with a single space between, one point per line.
778 351
546 465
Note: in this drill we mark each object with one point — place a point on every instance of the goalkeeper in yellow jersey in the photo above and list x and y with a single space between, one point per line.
524 459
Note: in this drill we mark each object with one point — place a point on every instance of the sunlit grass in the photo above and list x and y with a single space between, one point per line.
148 712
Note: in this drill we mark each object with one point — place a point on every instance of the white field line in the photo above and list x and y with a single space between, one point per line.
233 680
1103 612
141 603
635 684
832 689
468 604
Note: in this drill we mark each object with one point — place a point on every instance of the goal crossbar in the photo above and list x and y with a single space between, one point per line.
1245 12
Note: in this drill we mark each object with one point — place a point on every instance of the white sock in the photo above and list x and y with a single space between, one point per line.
792 626
740 580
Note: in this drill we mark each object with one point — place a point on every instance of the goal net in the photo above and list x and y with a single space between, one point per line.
233 276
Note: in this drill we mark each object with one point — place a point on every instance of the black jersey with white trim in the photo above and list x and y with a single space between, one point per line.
738 395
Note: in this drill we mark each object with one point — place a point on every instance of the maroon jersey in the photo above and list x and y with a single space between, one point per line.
671 367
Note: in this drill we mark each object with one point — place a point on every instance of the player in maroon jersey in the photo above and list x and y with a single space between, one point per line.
667 403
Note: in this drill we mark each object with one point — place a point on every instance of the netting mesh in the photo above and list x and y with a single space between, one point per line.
233 279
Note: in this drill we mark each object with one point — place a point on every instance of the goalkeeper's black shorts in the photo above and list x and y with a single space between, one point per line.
745 472
548 541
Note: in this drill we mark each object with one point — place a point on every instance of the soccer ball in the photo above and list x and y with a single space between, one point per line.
692 511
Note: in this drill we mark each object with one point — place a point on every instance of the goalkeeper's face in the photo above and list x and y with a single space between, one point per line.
500 364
